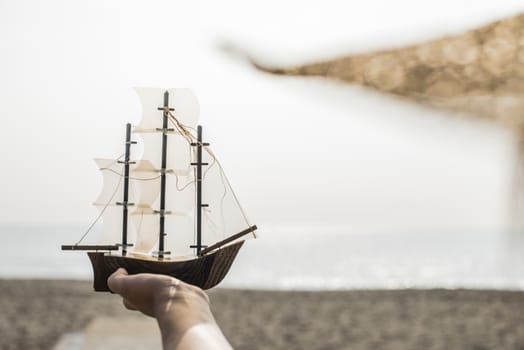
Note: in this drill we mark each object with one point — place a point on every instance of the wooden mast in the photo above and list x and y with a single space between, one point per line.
125 203
199 144
162 210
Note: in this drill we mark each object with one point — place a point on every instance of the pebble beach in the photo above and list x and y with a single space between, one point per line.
36 313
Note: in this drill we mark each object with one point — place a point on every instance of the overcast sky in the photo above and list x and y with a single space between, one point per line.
296 150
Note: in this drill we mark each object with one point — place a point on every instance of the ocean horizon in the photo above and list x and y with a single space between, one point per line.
308 258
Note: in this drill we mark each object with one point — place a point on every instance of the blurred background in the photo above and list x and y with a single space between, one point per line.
382 165
384 192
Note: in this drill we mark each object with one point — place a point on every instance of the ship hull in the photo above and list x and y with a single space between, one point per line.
205 271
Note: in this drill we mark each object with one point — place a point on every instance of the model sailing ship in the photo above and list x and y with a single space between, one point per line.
175 197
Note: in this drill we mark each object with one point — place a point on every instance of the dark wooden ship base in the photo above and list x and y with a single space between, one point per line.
205 271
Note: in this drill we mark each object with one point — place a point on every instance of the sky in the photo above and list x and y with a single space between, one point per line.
296 150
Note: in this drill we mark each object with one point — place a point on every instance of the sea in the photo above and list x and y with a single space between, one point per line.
317 257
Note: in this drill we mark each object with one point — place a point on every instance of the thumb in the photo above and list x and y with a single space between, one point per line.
116 282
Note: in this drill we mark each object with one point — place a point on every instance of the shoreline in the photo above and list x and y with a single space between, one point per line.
89 280
35 313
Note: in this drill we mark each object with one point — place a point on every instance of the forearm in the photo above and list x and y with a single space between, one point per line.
186 322
181 310
203 336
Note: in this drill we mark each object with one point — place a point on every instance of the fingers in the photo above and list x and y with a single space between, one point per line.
116 281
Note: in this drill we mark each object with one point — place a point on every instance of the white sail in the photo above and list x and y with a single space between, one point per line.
181 234
179 201
184 102
178 151
185 109
146 183
179 230
145 222
111 194
112 172
222 216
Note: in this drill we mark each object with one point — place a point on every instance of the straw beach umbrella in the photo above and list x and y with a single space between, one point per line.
479 73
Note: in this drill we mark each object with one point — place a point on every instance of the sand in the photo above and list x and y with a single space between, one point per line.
36 313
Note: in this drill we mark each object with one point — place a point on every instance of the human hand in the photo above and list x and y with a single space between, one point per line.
178 307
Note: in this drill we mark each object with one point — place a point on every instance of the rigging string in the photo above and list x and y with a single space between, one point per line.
225 181
214 226
107 204
187 135
180 189
225 178
121 175
191 139
183 131
152 178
